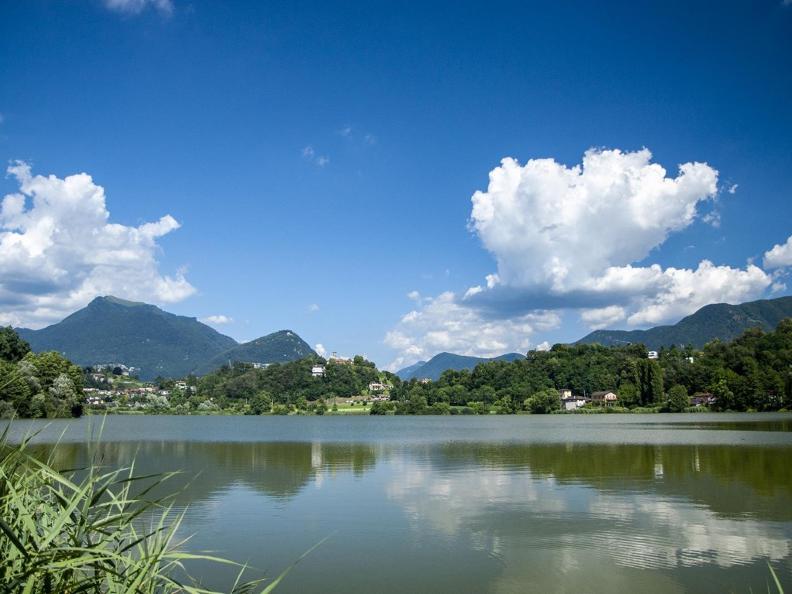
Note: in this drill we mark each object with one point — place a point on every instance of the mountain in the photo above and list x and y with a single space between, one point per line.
277 347
410 370
434 368
112 330
719 320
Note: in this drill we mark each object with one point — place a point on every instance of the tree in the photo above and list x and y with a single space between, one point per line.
678 399
724 397
261 403
14 389
649 376
544 401
12 347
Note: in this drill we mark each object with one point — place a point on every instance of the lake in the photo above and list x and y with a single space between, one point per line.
558 503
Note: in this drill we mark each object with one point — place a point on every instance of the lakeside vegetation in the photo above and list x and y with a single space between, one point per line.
37 385
751 373
93 530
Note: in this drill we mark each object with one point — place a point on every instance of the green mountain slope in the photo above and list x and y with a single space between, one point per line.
112 330
435 366
278 347
719 320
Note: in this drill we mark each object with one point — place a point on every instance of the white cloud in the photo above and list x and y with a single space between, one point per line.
310 155
602 317
320 349
780 256
445 324
59 250
577 231
414 296
685 291
313 307
216 320
733 188
138 6
556 226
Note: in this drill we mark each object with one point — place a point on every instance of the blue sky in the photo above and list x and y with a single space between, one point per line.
318 161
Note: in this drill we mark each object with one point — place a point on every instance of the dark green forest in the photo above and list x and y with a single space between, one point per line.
36 385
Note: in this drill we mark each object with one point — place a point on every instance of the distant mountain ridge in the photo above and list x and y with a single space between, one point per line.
718 320
113 330
278 347
434 367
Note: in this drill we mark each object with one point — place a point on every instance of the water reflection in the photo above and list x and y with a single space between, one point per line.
278 470
522 511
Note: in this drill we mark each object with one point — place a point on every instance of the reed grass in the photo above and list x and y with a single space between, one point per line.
93 531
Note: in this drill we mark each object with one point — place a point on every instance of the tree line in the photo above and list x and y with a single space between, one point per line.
753 372
43 385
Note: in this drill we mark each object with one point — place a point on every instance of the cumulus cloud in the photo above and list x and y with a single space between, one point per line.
602 317
557 226
314 307
58 250
574 238
216 320
320 349
780 256
574 234
444 323
138 6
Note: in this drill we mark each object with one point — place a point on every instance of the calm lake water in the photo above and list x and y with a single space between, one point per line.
606 503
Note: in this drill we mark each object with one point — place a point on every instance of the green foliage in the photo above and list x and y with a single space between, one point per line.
544 401
12 347
649 381
95 531
754 372
38 385
678 399
290 383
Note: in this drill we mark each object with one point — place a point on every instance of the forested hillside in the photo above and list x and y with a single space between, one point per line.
720 321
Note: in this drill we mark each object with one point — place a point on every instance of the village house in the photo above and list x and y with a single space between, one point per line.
318 371
604 398
652 355
570 401
575 402
702 399
378 387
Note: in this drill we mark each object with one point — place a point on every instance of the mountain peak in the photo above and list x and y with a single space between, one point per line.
118 301
113 330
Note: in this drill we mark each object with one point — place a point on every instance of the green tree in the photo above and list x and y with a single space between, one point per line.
12 347
261 403
544 401
678 399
